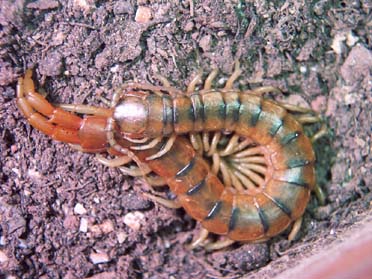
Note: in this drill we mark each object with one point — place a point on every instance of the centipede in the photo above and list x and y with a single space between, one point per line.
262 173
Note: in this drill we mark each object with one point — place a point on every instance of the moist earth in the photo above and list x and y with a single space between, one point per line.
64 215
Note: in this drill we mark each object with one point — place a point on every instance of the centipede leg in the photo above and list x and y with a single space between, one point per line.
295 229
203 235
264 89
148 145
196 143
155 181
218 245
234 76
307 118
320 195
165 82
323 131
116 162
164 149
194 82
165 202
210 78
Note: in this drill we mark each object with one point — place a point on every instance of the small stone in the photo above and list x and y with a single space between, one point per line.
123 7
134 220
98 258
357 64
122 236
70 222
104 275
3 257
143 14
351 39
79 209
43 5
189 26
52 64
338 43
205 43
83 225
319 104
107 226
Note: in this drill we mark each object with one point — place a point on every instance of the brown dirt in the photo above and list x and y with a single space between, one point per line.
320 53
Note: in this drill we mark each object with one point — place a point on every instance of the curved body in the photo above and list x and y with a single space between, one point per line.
251 215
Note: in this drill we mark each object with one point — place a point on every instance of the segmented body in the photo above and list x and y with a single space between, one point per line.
250 215
253 214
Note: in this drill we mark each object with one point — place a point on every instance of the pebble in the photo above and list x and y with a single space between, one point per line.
97 258
143 14
3 257
122 236
83 225
134 220
79 209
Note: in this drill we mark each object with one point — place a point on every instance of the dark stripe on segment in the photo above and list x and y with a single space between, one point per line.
203 116
214 210
222 109
256 116
176 114
192 115
263 218
282 206
196 188
290 137
186 169
167 112
165 115
236 111
275 128
233 219
294 163
298 183
195 108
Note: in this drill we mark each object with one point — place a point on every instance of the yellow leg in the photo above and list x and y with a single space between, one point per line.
320 195
203 235
234 76
149 145
215 140
218 245
197 143
264 89
135 171
210 78
165 82
165 149
194 82
165 202
295 229
117 162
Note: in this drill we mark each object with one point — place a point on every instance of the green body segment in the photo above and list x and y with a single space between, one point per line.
241 216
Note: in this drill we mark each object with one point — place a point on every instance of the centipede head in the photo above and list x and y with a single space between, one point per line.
131 113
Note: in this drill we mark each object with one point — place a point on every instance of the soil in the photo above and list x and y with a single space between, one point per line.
64 215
